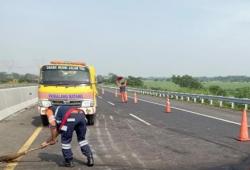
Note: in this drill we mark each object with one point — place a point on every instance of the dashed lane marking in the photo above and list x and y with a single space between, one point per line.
111 103
196 113
143 121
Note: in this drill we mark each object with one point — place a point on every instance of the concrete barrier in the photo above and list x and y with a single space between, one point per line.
15 99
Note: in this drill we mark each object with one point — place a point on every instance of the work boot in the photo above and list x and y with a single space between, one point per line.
90 161
68 163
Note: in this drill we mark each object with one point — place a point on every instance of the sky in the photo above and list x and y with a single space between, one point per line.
145 38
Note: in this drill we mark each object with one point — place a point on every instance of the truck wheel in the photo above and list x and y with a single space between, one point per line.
44 120
91 119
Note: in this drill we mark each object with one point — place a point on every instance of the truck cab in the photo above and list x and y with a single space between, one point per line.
67 83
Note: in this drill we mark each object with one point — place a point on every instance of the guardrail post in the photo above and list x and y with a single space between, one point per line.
190 97
232 105
246 106
221 104
211 102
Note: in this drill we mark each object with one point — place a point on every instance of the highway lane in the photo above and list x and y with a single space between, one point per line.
220 135
120 140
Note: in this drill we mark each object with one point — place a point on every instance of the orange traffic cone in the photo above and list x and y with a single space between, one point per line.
135 98
168 108
244 127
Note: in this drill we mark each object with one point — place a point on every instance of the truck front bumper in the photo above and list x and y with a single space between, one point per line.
87 111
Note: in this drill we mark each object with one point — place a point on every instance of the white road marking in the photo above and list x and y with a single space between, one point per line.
143 121
130 126
196 113
100 97
111 103
134 155
113 145
101 143
111 117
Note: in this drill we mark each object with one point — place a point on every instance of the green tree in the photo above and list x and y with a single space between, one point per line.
217 90
110 79
187 81
4 77
100 79
135 81
242 92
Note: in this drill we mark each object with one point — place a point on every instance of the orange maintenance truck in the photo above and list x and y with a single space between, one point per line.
67 83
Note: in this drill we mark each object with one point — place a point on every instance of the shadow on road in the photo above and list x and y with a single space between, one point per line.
244 164
50 157
36 121
58 159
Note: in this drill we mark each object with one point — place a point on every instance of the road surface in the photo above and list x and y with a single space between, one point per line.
136 136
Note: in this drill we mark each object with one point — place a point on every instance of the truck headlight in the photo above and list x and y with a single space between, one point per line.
87 103
45 103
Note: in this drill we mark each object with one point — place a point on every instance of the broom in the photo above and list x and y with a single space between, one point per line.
13 156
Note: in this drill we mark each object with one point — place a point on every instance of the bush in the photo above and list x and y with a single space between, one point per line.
187 81
135 81
242 92
217 90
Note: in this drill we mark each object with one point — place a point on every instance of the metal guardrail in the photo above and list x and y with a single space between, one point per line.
188 96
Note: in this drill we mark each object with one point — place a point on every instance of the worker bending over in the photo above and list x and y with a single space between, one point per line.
65 120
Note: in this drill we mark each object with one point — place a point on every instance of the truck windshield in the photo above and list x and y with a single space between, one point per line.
64 75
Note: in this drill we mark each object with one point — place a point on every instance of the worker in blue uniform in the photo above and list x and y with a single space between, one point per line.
65 120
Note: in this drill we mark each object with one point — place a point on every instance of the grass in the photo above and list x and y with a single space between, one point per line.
227 85
170 86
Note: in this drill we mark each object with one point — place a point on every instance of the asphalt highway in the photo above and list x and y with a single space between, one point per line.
136 136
